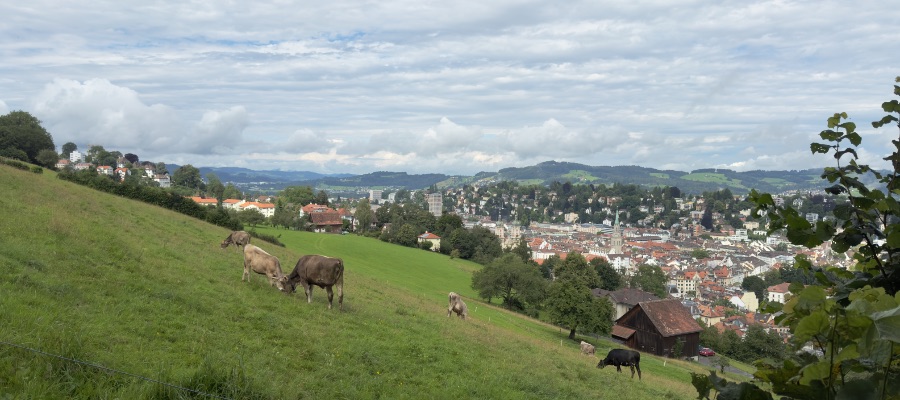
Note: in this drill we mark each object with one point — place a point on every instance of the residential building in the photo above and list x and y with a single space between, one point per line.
430 237
778 293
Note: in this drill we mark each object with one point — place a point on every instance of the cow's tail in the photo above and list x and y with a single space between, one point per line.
339 282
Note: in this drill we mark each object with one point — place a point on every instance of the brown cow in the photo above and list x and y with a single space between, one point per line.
458 306
237 238
257 260
320 271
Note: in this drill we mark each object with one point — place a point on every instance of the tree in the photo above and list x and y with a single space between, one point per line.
232 192
214 187
510 279
161 168
363 216
251 217
446 223
706 221
754 284
609 278
650 278
132 158
47 158
301 195
187 176
521 250
321 198
570 302
699 253
19 130
851 315
67 149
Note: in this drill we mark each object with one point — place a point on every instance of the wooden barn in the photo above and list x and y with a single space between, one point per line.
655 326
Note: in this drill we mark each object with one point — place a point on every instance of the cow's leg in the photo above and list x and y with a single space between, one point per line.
638 366
308 289
619 368
340 288
246 272
632 371
330 295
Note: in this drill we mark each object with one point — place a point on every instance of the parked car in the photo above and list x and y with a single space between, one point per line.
707 352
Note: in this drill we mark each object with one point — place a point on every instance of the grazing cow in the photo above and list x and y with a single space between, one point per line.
587 348
458 306
622 357
237 238
321 271
257 260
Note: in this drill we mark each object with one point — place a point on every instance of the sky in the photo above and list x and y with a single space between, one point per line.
453 87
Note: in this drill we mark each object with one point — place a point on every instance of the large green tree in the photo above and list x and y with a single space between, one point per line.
67 149
364 216
512 280
650 278
609 278
21 131
301 195
756 285
188 176
571 304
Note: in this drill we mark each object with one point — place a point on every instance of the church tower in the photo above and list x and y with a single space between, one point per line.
616 242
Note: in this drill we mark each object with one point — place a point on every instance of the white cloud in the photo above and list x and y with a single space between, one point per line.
455 87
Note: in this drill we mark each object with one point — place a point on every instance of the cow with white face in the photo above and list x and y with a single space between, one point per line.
260 262
458 306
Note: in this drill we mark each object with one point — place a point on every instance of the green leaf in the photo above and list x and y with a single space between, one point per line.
830 135
854 138
893 236
858 389
815 372
819 148
849 126
888 324
812 325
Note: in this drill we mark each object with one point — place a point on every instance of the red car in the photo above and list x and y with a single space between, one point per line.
707 352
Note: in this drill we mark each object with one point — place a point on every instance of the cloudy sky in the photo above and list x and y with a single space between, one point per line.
452 87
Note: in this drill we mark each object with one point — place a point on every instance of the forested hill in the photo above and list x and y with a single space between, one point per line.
547 172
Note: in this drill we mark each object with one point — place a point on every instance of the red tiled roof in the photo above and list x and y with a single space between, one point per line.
329 217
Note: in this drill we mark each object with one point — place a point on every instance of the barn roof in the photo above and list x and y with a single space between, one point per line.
329 217
622 332
629 296
670 317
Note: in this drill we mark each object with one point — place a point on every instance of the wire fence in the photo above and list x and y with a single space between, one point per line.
101 367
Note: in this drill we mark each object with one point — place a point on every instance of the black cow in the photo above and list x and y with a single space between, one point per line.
622 357
320 271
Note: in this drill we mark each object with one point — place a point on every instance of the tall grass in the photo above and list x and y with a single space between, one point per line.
146 291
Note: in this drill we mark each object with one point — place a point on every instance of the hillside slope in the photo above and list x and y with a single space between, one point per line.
146 291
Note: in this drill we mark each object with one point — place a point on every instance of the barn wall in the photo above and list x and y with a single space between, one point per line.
646 337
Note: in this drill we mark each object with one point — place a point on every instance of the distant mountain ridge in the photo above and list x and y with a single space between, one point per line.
697 181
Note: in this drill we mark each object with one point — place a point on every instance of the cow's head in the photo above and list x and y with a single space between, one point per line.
285 285
601 364
225 243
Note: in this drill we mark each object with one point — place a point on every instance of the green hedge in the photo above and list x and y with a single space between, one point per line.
152 195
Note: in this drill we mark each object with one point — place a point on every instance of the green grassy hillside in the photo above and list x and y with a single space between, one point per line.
139 289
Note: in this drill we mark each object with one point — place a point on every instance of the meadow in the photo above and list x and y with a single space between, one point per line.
147 294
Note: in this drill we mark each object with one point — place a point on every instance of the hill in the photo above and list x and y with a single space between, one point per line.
148 292
694 182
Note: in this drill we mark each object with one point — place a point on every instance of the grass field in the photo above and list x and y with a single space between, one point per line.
148 292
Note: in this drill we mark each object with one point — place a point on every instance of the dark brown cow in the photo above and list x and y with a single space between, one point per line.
622 357
320 271
458 306
237 238
257 260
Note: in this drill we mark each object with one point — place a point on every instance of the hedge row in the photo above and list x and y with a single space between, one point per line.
152 195
21 165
